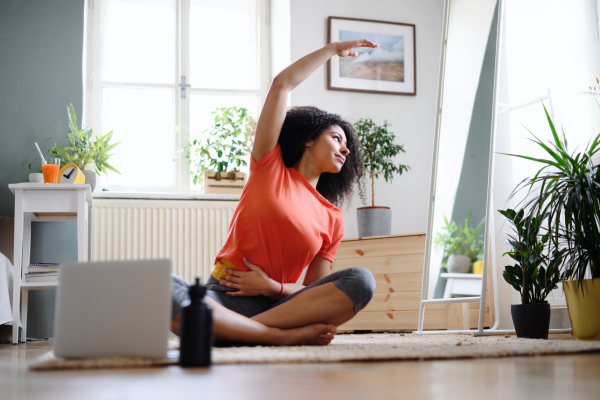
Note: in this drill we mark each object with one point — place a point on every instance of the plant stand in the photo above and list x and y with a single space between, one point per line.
225 185
43 202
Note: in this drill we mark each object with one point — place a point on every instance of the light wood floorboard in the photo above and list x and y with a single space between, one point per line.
544 377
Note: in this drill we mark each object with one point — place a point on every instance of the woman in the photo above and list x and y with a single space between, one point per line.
303 160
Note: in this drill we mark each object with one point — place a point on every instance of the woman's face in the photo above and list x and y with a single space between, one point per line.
329 151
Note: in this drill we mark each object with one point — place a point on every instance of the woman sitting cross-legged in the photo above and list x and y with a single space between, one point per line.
303 162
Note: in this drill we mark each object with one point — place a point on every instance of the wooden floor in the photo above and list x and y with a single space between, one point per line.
545 377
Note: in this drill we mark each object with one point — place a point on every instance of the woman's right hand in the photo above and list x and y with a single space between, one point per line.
344 49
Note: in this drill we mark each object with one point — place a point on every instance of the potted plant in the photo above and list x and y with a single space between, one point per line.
566 189
36 176
462 246
218 154
533 275
90 155
378 149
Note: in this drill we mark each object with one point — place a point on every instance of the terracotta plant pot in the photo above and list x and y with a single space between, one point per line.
584 308
374 221
532 321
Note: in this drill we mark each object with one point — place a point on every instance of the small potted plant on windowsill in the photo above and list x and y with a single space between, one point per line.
462 246
218 154
533 275
90 155
378 148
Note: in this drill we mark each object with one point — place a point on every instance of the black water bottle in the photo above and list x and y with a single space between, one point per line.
196 329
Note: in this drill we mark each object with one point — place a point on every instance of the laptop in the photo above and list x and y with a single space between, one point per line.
106 309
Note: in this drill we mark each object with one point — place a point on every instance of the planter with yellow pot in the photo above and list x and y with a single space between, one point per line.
584 308
478 267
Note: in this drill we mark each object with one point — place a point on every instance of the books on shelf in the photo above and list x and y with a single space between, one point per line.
42 272
41 278
43 267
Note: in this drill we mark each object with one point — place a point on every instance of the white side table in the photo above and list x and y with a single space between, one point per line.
462 284
44 202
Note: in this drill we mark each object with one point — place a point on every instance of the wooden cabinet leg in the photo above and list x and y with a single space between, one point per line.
457 316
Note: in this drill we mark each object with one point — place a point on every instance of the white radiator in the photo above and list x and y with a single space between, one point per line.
189 233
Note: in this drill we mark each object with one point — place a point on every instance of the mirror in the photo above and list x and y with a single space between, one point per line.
455 236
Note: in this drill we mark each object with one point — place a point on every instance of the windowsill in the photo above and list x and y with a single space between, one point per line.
164 196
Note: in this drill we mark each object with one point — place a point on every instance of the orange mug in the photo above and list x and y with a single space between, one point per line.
50 169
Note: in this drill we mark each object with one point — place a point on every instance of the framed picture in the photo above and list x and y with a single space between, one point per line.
387 69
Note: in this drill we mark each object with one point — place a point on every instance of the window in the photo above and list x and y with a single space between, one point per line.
153 65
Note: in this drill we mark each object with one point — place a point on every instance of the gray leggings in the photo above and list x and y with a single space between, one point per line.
357 283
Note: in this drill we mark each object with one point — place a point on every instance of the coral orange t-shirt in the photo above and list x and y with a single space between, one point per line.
281 222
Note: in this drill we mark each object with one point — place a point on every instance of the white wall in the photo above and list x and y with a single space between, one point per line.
412 117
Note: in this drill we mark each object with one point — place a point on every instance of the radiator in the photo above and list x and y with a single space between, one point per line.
189 233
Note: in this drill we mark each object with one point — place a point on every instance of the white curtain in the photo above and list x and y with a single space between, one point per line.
546 44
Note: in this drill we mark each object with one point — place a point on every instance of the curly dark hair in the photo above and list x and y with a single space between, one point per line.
303 124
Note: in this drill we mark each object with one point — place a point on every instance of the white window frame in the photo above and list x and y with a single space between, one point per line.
93 84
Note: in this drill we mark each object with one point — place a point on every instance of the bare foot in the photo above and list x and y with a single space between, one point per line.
310 335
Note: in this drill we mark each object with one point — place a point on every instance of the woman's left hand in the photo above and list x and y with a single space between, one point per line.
344 49
249 283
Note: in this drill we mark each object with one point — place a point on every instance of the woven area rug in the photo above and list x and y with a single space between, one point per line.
350 347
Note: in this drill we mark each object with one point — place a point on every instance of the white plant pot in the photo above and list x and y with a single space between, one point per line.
90 177
458 264
36 177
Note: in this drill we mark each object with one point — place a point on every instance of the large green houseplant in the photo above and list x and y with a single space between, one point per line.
378 149
533 275
90 154
222 149
462 244
566 191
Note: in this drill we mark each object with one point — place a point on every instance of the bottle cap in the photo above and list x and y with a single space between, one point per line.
196 291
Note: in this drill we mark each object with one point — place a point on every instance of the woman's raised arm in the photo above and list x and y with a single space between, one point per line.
273 112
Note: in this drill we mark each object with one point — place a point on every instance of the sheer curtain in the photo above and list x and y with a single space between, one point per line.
546 44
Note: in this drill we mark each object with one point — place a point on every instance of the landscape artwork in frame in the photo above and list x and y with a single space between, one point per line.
387 69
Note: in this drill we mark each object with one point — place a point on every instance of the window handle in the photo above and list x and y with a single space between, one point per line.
183 85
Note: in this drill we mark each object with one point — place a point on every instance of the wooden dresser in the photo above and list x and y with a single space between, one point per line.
396 261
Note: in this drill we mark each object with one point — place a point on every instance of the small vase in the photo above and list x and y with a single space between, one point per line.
532 321
458 264
90 177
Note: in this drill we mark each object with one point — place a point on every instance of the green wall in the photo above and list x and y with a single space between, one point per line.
41 44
